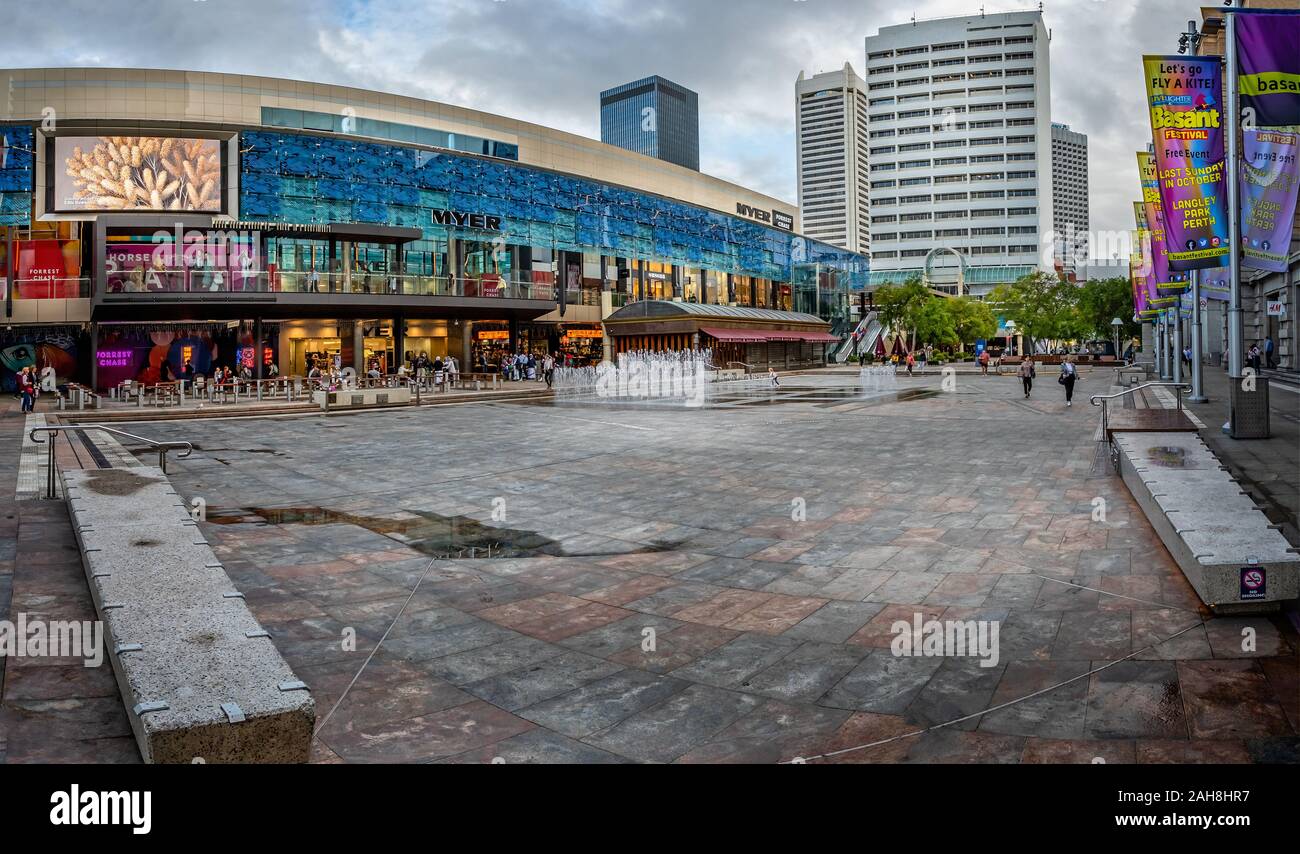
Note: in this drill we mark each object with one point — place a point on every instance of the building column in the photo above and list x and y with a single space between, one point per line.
94 356
257 348
399 342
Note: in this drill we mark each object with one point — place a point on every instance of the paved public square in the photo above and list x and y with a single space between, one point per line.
656 584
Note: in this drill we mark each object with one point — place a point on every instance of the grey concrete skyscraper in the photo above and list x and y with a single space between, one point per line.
655 117
1070 220
831 121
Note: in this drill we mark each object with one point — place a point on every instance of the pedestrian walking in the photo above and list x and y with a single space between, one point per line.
773 378
27 388
1027 374
984 362
1270 360
911 362
1253 356
1069 376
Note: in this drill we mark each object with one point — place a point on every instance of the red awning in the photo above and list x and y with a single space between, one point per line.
760 336
736 336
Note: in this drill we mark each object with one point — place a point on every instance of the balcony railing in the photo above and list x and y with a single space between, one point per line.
161 282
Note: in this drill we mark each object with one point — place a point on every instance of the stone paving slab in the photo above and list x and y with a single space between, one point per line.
684 615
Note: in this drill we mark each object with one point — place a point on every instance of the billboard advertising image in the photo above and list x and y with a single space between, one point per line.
138 173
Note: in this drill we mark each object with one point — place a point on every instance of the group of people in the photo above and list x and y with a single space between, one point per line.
526 367
1264 357
918 358
1068 377
438 369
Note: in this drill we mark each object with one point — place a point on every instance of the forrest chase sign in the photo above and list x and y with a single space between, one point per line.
472 221
776 219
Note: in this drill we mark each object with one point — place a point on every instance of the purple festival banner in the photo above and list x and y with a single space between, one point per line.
1216 284
1269 180
1165 285
1187 129
1268 49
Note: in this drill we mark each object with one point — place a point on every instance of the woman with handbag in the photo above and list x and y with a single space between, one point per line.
1069 376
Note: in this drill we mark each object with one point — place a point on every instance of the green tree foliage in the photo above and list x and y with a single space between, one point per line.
898 305
1044 307
933 323
972 319
1103 300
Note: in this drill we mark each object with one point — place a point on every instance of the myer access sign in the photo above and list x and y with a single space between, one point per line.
774 218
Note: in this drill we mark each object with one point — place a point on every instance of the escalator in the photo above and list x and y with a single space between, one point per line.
868 332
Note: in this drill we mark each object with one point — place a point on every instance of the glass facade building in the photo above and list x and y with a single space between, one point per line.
340 238
654 117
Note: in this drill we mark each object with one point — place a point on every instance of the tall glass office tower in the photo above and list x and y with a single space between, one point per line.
655 117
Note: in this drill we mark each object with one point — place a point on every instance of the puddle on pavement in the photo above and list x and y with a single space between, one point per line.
1168 458
754 397
446 537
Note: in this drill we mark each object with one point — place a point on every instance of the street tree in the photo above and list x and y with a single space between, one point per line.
1044 307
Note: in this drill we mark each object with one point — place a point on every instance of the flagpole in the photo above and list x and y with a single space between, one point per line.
1236 332
1198 379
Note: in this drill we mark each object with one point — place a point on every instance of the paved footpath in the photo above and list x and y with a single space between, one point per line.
51 709
1271 467
721 585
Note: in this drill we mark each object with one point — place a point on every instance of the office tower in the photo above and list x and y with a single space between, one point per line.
655 117
831 148
1070 218
960 150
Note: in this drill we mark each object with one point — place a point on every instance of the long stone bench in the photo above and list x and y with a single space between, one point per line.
200 678
361 397
1222 541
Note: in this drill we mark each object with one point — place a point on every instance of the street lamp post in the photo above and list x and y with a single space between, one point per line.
1117 324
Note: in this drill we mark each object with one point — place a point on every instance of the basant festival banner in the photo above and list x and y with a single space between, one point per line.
1216 284
1268 196
1140 265
1187 129
1165 285
1268 74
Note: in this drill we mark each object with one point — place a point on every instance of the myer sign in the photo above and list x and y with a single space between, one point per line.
776 219
473 221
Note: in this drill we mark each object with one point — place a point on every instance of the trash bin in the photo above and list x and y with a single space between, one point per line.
1250 412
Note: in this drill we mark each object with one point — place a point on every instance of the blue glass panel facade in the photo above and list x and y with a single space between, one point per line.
315 179
16 178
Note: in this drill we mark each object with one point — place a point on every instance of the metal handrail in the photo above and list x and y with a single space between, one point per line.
1103 400
161 447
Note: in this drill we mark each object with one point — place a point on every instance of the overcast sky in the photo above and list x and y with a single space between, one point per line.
546 61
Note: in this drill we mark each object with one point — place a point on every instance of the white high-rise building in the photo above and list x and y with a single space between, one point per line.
831 112
1070 199
960 151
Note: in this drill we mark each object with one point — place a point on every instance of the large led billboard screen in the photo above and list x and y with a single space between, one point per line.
137 173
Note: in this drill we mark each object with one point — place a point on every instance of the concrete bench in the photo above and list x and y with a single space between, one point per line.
361 397
1222 541
200 678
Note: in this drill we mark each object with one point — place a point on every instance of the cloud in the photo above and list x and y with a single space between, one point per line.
546 61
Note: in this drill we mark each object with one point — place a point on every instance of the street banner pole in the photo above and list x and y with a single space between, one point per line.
1198 379
1236 332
